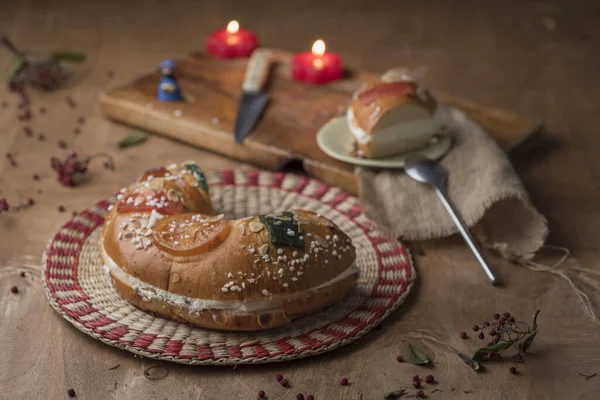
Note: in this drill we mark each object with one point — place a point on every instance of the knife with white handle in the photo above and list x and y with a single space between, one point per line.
254 98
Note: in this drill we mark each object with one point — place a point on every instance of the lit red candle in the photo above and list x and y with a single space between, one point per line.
317 66
231 42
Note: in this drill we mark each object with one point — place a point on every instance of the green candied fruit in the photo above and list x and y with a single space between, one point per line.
197 172
283 229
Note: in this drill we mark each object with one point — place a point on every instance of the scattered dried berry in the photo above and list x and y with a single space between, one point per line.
35 177
506 314
490 344
71 393
30 201
399 358
344 381
463 335
76 131
13 163
417 384
22 274
486 324
42 110
513 370
475 328
420 394
61 208
14 290
492 332
284 382
41 137
416 378
261 394
496 316
71 102
62 144
3 205
481 335
278 376
9 155
28 131
74 213
81 120
310 397
429 379
299 396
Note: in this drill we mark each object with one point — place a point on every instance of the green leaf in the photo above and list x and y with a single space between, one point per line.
394 394
471 363
197 172
523 347
16 66
279 226
482 353
135 137
68 56
417 356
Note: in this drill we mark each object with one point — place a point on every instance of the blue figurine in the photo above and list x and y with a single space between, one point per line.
168 88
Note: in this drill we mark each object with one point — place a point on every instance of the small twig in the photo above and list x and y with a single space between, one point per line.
588 377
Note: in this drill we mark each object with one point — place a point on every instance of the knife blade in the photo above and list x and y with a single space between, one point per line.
254 97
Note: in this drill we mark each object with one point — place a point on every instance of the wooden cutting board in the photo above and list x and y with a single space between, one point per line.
287 129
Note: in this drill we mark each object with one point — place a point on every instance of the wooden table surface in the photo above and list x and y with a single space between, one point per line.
538 59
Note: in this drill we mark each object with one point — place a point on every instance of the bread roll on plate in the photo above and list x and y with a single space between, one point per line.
167 254
391 118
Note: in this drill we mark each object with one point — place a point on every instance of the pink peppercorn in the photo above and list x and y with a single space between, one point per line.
416 378
481 335
399 358
463 335
299 396
420 394
310 397
429 379
261 394
278 376
30 201
14 290
417 384
475 328
284 382
344 381
513 370
61 208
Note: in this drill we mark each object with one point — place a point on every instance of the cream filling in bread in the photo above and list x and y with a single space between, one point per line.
395 138
195 305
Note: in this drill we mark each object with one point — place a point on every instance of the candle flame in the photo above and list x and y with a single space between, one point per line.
318 48
233 27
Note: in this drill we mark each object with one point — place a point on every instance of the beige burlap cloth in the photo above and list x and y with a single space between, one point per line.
482 185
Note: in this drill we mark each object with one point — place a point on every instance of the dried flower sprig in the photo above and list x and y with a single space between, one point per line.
506 333
73 167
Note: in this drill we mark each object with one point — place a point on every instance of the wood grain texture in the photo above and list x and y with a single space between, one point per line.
497 54
287 129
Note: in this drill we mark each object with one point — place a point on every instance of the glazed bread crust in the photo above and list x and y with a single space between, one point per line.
247 282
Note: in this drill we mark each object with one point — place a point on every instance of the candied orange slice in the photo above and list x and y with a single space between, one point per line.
189 234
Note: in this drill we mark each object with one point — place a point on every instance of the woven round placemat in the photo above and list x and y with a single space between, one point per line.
79 290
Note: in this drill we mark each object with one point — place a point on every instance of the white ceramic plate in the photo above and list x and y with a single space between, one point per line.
335 139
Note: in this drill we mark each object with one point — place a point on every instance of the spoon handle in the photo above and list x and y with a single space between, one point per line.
467 236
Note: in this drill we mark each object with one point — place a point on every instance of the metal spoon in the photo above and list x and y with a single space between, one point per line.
429 171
